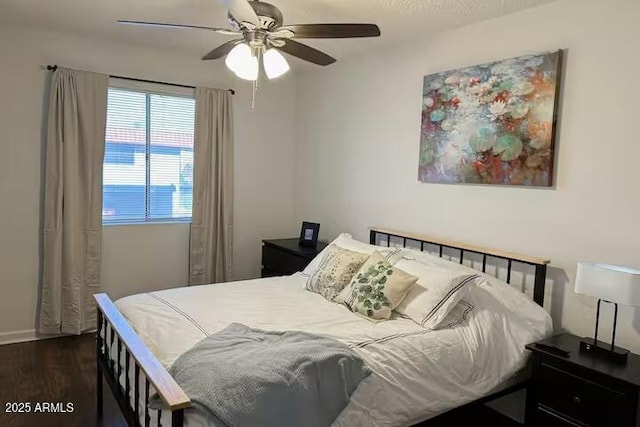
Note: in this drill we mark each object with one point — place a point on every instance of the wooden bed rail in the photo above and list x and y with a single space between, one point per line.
111 321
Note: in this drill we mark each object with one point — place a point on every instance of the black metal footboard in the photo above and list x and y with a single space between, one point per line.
120 351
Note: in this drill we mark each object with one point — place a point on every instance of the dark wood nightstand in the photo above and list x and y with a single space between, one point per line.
282 257
580 389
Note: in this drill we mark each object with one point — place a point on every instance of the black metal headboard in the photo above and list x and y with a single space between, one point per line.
539 264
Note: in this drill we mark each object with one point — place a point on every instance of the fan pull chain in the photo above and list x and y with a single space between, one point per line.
255 82
255 90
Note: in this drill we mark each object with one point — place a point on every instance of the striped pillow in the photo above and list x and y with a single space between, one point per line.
436 293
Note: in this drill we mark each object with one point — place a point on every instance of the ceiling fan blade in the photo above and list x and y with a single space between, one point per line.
332 31
241 11
307 53
222 50
164 25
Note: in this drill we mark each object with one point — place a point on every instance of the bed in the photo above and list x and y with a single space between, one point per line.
417 373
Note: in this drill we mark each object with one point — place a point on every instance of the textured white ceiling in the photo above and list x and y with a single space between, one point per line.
398 19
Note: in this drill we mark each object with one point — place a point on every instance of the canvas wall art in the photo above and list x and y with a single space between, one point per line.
491 123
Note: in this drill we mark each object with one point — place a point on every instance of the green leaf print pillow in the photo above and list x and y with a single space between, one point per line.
376 289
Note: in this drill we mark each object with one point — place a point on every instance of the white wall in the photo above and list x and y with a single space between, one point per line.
136 257
355 151
358 142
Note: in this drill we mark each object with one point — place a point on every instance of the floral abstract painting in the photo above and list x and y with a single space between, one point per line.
491 123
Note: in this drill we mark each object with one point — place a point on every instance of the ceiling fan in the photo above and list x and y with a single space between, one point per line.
261 35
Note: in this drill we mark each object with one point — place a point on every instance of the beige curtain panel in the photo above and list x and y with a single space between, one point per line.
211 244
72 240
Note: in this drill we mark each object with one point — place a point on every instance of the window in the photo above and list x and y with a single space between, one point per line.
148 161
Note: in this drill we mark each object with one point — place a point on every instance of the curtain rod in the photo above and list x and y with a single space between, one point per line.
55 67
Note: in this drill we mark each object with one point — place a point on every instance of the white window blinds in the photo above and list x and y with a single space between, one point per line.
148 162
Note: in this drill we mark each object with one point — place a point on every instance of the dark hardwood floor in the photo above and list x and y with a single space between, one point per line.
479 415
55 371
62 370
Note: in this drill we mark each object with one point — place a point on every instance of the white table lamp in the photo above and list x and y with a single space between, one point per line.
612 284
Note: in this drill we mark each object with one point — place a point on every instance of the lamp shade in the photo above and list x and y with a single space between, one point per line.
238 55
242 62
249 69
609 282
275 64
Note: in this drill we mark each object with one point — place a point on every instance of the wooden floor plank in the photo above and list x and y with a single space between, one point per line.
50 375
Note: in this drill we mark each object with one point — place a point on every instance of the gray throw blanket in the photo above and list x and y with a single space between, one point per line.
246 377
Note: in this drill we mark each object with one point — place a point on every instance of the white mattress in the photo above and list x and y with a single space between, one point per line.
417 374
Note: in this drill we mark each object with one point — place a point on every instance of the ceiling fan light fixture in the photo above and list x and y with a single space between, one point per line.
248 69
237 56
275 65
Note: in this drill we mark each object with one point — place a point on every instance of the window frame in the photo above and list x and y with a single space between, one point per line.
148 89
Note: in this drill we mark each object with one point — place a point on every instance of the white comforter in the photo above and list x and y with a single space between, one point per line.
417 373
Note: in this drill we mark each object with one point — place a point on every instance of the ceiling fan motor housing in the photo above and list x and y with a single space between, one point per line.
257 39
270 16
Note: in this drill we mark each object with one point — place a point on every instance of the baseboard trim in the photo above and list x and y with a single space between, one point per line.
18 336
14 337
23 336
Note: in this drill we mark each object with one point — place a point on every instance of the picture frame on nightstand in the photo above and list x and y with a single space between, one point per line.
309 234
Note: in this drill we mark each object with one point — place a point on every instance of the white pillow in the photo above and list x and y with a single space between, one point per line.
458 315
429 259
345 241
436 292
